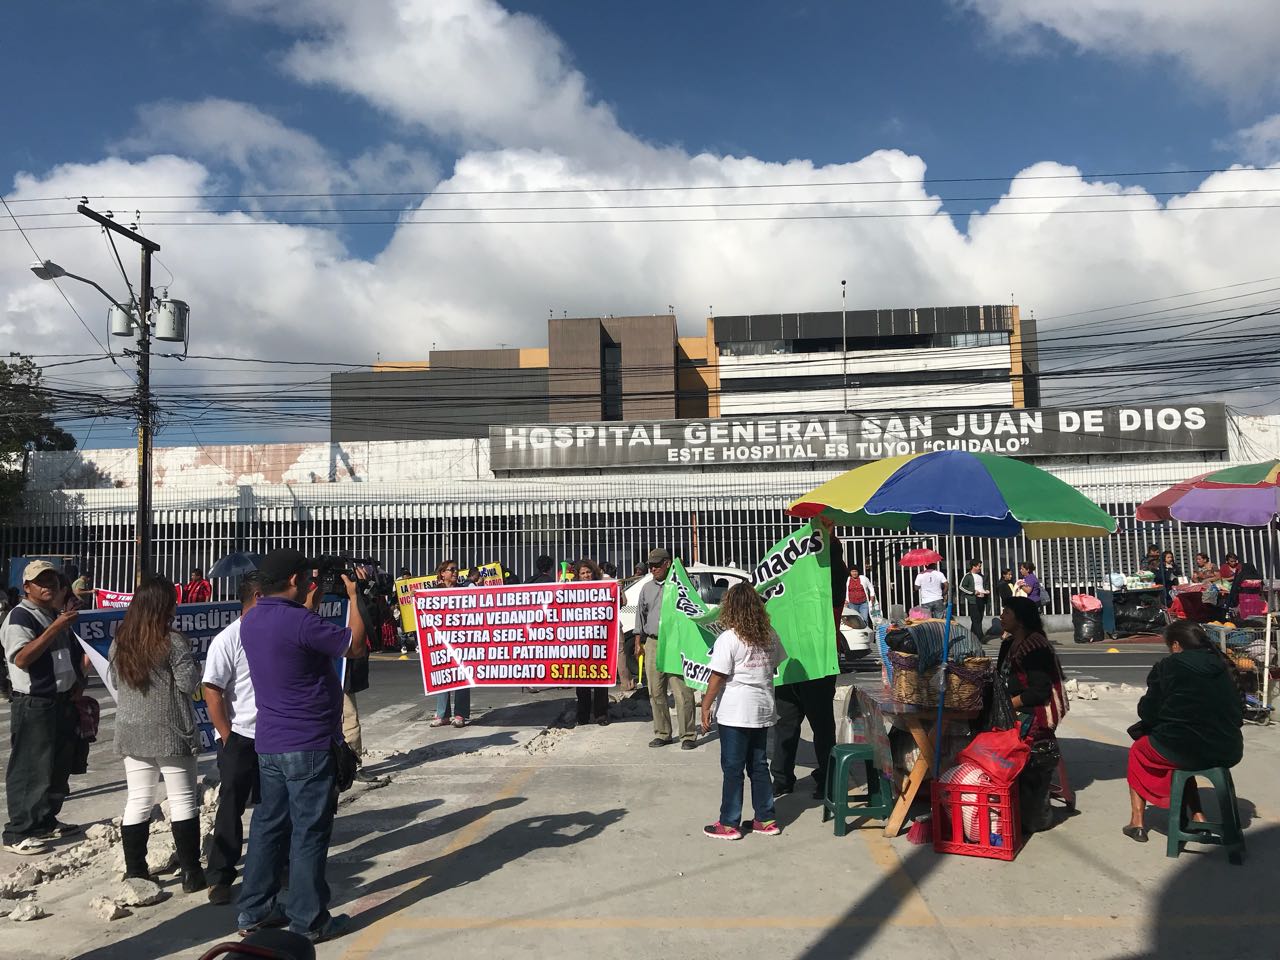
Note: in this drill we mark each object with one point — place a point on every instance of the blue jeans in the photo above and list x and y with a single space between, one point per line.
299 795
861 609
744 748
461 704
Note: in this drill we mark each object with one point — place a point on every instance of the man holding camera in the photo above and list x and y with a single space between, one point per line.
291 654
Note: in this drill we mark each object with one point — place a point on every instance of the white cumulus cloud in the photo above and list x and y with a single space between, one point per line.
502 87
1230 46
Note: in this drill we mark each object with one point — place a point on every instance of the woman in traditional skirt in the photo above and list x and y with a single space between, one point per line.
1189 719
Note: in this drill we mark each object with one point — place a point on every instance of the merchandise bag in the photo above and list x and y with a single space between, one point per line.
1001 754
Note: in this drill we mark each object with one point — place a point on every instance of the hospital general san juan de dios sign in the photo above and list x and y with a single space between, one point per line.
1038 432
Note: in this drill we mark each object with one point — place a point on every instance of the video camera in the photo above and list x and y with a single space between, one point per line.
331 568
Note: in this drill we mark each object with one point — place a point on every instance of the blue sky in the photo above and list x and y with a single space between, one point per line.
825 81
329 97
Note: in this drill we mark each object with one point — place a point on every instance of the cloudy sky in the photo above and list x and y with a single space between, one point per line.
937 152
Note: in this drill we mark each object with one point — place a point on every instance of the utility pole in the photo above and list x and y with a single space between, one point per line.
142 527
844 350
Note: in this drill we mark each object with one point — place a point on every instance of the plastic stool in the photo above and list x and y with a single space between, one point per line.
1225 832
879 798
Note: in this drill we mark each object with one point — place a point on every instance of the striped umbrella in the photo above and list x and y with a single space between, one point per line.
954 491
1244 496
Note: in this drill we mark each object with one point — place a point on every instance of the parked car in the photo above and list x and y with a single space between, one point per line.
712 583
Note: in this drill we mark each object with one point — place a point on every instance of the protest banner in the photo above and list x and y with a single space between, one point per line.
793 578
110 600
199 623
535 635
484 575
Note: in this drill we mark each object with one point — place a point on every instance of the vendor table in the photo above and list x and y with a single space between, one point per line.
878 708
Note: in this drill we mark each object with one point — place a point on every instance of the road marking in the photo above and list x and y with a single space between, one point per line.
912 906
371 937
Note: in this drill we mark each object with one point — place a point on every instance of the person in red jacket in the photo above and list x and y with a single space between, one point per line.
198 589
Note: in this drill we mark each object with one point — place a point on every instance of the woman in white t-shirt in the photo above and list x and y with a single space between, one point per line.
743 661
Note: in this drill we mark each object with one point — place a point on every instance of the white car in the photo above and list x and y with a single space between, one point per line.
712 583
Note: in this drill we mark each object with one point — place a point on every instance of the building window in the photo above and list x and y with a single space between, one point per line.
611 381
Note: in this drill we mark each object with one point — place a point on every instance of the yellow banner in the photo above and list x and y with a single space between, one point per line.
485 575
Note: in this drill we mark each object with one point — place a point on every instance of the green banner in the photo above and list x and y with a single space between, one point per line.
794 578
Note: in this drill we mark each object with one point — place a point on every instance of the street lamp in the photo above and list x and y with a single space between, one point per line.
172 319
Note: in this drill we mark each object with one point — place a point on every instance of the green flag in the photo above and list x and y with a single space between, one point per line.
794 578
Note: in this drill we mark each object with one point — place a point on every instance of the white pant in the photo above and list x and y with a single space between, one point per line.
143 775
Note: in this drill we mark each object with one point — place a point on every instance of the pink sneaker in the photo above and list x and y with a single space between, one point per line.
766 828
718 831
459 722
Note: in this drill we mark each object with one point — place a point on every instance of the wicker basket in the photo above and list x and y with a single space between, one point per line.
965 682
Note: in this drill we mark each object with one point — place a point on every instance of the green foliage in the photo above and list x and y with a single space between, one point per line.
26 423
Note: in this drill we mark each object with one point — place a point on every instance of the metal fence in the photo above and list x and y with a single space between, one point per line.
720 521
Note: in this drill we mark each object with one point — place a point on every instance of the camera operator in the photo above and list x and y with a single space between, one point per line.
291 654
356 679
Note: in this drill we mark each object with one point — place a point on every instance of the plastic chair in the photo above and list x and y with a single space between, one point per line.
879 800
1225 831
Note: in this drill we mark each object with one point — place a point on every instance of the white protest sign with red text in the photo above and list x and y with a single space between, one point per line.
538 634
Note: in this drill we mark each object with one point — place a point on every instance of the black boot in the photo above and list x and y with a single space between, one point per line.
133 837
186 838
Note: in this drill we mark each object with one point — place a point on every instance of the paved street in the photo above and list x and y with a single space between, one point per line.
514 838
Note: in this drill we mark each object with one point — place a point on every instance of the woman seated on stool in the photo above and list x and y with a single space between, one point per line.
1189 719
1032 675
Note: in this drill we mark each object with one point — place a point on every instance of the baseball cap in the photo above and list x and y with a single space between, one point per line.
658 556
282 563
35 568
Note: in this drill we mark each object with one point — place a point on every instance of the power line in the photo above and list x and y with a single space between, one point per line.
677 206
582 221
656 188
35 253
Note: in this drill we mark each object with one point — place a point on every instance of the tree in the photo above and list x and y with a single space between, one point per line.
27 409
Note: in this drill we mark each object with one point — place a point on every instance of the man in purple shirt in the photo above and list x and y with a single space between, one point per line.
290 652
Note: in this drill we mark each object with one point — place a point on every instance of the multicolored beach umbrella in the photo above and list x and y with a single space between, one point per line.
1244 496
953 491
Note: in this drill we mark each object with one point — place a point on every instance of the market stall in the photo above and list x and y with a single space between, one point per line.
1243 496
950 492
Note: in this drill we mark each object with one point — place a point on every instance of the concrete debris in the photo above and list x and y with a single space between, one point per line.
162 855
27 910
26 876
10 889
1130 690
7 905
1071 686
104 908
107 833
136 892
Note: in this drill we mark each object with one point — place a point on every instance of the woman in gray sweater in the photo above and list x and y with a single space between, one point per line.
155 677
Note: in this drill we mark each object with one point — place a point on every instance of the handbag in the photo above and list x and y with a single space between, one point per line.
999 714
1000 754
345 764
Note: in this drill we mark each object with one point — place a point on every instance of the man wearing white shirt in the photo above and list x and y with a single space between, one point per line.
933 589
233 710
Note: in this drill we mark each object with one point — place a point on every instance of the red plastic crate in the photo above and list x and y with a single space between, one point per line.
986 801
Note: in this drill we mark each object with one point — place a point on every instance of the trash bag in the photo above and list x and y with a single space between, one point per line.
1087 626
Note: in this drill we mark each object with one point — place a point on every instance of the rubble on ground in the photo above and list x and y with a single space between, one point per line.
104 908
27 910
137 892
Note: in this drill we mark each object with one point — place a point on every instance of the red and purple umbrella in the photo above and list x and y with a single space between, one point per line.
1244 496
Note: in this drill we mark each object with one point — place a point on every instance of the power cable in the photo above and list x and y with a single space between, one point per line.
655 188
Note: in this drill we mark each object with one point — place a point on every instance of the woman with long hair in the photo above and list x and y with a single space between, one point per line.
593 702
155 677
743 661
1033 678
448 577
1189 719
